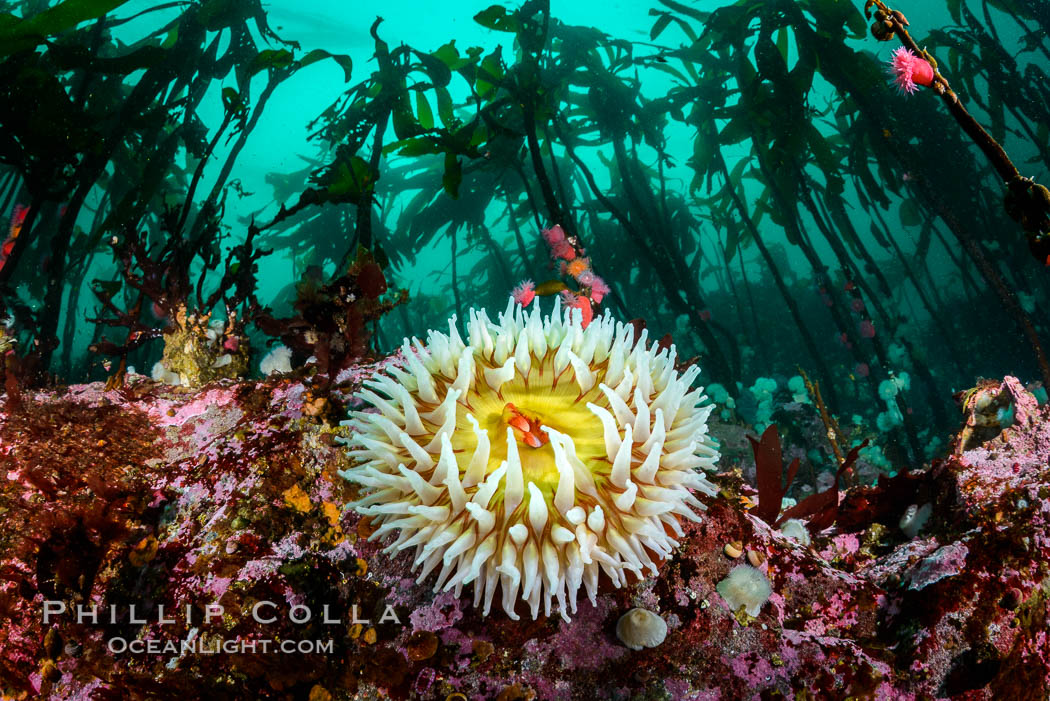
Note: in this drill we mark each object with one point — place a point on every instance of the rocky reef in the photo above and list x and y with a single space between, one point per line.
163 542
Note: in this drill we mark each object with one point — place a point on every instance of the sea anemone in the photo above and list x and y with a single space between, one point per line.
598 289
578 267
162 374
914 519
533 456
524 293
569 300
563 250
910 71
554 235
278 360
745 586
796 530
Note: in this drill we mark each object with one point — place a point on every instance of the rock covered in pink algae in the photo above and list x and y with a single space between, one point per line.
229 496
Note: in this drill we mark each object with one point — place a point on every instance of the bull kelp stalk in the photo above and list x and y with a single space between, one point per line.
518 238
796 315
780 149
109 124
1026 201
524 81
652 228
387 75
763 349
855 279
924 292
836 68
533 37
684 293
822 203
912 163
791 186
788 206
651 252
155 80
723 261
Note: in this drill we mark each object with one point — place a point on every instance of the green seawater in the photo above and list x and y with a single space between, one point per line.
744 176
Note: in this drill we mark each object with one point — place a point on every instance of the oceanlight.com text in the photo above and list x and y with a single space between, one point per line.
200 646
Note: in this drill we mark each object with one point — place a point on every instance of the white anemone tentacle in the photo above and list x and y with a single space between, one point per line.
531 454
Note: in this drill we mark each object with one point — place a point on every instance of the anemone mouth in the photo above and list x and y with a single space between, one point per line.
532 457
548 401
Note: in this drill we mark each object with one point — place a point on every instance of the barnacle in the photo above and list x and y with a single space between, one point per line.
640 628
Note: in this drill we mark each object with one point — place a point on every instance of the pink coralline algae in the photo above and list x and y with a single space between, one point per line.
944 562
230 495
581 646
910 71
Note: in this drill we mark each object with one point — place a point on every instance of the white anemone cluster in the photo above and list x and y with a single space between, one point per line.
532 456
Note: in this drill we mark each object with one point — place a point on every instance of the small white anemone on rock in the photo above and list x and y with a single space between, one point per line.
745 586
162 374
279 359
796 530
915 518
640 628
532 456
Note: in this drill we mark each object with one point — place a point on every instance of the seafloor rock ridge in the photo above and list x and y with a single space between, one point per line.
152 497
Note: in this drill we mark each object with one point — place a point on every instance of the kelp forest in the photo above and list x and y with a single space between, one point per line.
839 249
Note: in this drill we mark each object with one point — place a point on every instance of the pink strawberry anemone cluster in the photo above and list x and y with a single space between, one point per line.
571 262
532 456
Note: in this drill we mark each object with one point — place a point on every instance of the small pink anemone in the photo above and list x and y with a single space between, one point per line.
554 235
910 71
524 293
598 289
572 301
563 250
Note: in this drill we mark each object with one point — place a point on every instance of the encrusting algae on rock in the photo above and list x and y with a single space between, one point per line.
249 518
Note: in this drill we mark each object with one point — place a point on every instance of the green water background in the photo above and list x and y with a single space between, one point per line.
770 348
